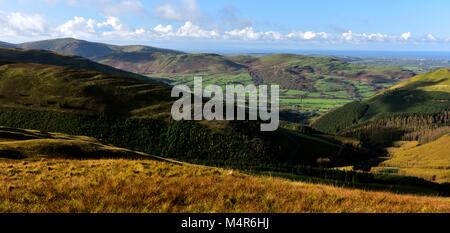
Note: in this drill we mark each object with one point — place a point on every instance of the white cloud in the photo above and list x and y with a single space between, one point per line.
19 24
184 10
78 26
309 35
139 31
247 33
430 37
111 27
347 35
272 35
191 30
351 36
34 26
376 37
111 22
406 35
163 29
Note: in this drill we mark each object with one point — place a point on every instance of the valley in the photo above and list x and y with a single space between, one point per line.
309 84
81 118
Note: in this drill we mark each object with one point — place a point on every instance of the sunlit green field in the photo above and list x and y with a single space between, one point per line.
329 93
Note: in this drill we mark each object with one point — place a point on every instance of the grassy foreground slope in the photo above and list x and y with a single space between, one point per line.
56 185
54 172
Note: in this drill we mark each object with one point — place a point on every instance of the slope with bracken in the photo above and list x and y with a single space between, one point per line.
416 109
430 161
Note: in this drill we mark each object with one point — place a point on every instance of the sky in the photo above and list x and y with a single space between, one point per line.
235 25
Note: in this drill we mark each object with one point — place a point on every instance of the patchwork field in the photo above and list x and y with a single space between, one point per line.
308 84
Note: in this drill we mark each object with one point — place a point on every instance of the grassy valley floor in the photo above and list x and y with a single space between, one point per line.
121 185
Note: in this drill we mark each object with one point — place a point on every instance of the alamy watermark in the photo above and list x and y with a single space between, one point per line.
241 103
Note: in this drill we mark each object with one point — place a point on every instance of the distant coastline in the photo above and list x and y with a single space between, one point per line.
437 55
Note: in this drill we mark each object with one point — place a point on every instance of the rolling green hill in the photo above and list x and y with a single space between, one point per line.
8 56
138 58
308 73
320 83
169 64
91 50
309 84
58 95
7 45
412 109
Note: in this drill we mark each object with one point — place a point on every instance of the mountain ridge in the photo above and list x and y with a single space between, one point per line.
90 50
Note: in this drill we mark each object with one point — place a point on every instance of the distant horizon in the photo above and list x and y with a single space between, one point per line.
222 25
400 54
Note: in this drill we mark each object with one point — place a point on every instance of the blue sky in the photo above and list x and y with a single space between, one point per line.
216 25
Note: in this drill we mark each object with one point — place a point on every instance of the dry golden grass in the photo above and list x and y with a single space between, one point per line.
430 161
58 185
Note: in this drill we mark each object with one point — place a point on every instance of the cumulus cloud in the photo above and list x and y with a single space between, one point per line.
347 35
181 10
19 24
163 29
88 28
350 36
111 22
430 37
308 35
247 33
376 37
191 30
406 35
272 35
78 26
